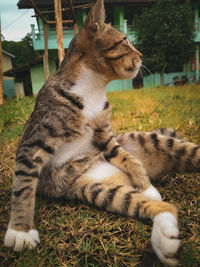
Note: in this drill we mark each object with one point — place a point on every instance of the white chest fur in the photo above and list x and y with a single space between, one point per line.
73 150
91 86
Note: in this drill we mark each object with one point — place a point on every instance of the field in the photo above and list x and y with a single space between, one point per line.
73 234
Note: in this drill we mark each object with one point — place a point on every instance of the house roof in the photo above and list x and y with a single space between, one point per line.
50 3
23 68
8 54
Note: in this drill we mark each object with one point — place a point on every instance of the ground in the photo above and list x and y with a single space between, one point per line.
73 234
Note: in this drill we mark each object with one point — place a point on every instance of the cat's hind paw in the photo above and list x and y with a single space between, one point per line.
165 238
19 239
152 193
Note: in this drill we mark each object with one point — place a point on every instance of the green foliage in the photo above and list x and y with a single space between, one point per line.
24 53
22 50
165 35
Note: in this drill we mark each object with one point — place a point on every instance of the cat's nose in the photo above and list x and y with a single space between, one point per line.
139 54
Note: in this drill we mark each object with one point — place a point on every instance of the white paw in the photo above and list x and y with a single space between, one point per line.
152 193
19 239
164 238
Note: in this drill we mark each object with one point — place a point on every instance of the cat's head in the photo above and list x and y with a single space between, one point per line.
105 49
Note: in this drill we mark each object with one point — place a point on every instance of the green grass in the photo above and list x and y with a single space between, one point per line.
13 116
149 109
73 234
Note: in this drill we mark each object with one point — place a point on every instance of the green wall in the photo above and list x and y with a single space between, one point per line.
81 16
38 75
9 88
119 85
154 80
37 78
118 15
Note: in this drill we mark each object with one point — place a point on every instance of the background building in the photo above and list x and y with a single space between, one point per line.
8 82
120 14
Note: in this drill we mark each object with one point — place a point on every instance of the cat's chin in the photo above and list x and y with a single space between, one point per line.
130 74
135 73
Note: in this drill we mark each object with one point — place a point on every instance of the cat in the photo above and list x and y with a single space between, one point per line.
68 147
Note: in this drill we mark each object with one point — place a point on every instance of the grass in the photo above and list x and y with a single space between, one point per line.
13 116
73 234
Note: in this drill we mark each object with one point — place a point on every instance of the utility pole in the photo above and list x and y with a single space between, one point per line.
1 70
59 30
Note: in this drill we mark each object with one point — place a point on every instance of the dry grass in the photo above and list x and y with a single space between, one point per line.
73 234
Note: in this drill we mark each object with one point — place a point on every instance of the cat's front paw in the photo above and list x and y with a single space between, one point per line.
165 238
19 239
152 193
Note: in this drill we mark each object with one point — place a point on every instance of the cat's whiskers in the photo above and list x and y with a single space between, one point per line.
144 71
144 67
140 73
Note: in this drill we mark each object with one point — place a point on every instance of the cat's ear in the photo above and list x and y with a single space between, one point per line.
96 17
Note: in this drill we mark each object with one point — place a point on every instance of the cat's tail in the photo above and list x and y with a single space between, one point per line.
162 153
125 200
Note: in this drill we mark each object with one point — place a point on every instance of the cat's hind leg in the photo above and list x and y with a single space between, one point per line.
116 195
162 154
170 132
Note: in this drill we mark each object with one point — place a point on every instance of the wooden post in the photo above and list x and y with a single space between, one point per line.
1 71
75 28
72 9
37 11
73 16
46 60
59 30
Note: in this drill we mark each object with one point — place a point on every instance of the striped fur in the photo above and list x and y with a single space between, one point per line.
68 147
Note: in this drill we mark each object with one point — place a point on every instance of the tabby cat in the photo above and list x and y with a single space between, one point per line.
68 147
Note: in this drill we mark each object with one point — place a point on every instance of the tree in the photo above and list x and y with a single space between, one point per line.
23 50
165 35
24 53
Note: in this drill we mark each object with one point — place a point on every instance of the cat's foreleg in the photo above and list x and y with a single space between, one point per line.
114 153
21 229
161 154
133 167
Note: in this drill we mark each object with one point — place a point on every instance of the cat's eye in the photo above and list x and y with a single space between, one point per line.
126 40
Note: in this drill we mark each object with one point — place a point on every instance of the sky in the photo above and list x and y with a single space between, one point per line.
15 23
